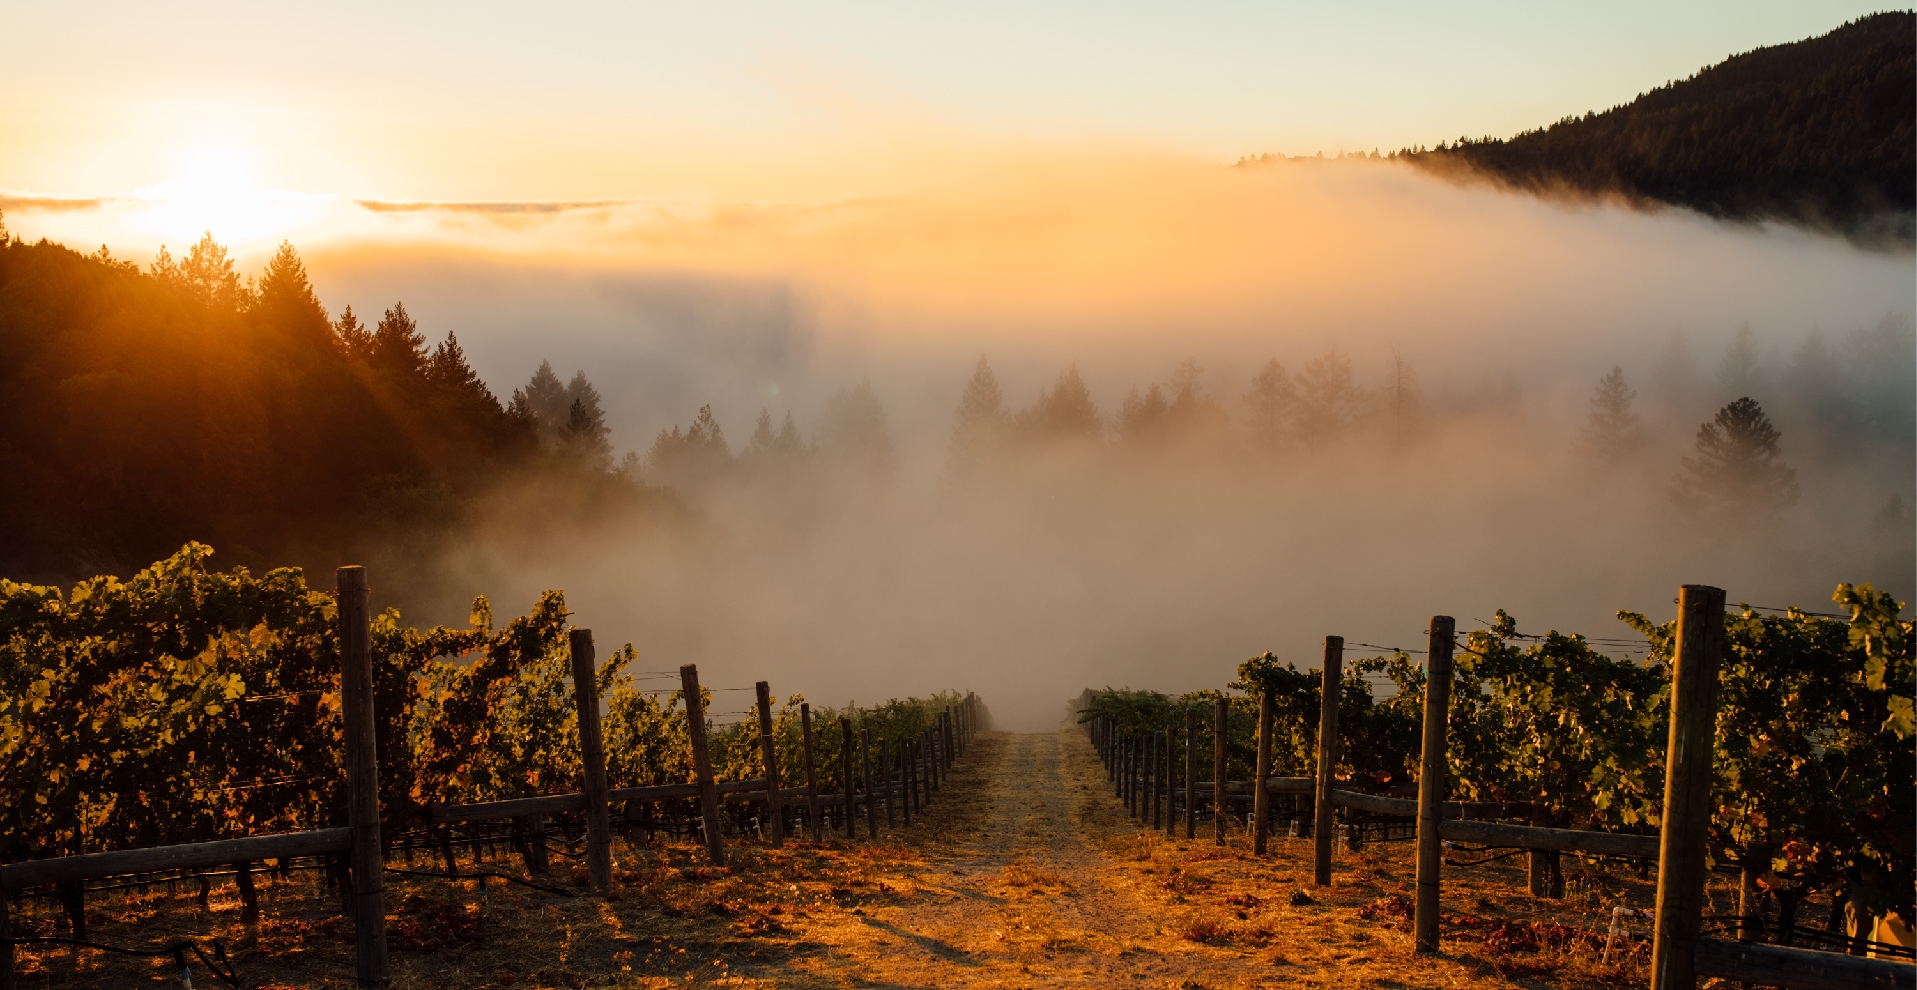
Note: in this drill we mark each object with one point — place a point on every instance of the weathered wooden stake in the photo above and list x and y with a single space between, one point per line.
885 776
592 745
1261 794
871 796
354 603
1171 782
1333 687
1220 732
1681 866
1191 773
249 902
811 774
1437 709
702 763
769 750
845 760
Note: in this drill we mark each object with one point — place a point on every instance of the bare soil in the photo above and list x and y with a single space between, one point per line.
1025 872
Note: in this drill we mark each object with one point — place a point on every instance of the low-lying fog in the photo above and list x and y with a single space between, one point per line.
1454 480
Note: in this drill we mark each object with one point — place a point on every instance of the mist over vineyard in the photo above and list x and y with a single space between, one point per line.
1150 498
1193 505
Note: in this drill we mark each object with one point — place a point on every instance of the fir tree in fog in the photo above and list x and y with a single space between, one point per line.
447 368
1270 403
1065 413
981 420
566 417
691 458
1738 474
1327 398
1612 432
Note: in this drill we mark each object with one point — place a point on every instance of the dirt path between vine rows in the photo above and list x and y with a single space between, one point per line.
1050 884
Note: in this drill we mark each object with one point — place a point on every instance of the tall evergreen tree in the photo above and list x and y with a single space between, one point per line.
1327 398
355 340
692 457
544 403
1143 418
1064 413
980 422
398 346
1270 402
447 368
1738 474
585 434
1612 431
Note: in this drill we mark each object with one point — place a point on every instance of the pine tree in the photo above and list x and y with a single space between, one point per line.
1271 400
545 400
398 346
352 336
1327 398
1143 417
1612 432
285 300
209 274
447 368
763 442
689 458
980 422
585 434
1064 413
1738 474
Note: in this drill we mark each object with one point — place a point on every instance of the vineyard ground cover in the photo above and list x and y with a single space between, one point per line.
1027 874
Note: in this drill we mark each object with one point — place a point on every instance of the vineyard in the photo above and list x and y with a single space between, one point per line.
191 727
1551 744
187 718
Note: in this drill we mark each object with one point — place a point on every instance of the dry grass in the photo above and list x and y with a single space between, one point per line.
997 891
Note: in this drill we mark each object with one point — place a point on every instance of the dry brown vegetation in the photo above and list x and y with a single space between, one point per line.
1036 880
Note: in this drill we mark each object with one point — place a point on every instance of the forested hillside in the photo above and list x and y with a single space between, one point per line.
141 410
1818 132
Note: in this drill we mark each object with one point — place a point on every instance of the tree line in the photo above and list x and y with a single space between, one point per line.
142 409
1821 132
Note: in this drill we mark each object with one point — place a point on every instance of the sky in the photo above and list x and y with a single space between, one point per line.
765 102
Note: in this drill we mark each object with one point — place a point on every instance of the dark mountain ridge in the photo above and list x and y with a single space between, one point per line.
1820 133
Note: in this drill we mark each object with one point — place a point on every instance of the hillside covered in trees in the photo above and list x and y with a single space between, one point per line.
1819 132
142 409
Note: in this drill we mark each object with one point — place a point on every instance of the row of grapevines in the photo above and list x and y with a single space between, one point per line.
1814 762
185 704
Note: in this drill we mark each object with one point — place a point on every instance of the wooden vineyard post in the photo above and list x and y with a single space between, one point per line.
871 796
1332 683
592 743
845 760
945 725
1260 789
768 748
811 774
905 770
1171 779
1437 709
1221 727
935 759
1681 863
885 781
362 774
702 763
1149 813
1191 773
